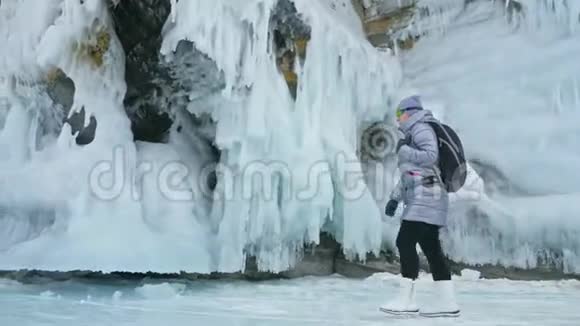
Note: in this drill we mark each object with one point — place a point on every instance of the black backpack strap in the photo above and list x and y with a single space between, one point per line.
436 126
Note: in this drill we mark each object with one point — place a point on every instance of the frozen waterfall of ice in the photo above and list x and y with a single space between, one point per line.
104 206
69 207
263 131
508 84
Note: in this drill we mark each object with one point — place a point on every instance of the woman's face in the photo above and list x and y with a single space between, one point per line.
402 116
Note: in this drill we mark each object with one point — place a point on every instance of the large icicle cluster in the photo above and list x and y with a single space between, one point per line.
93 207
547 14
303 150
117 204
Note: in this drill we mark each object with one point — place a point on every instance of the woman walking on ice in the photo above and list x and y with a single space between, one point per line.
426 201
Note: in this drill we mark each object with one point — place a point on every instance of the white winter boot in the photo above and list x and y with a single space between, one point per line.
445 304
404 302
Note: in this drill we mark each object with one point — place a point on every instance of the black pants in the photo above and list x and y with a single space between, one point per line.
427 235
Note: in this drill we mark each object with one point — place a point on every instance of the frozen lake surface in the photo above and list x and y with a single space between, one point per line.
308 301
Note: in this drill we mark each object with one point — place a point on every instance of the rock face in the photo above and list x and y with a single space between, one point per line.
384 18
138 25
154 85
156 89
291 35
61 90
374 9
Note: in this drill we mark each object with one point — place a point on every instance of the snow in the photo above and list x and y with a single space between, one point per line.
308 301
22 24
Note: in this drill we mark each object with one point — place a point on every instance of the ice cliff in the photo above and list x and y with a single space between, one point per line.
190 135
116 203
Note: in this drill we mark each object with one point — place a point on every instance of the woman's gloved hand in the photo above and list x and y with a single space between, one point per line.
391 207
403 141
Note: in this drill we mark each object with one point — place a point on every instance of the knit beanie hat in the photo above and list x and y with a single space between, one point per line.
411 102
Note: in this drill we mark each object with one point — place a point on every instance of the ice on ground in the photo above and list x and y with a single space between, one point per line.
308 301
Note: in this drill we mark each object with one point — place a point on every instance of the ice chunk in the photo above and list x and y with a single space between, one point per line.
470 275
160 291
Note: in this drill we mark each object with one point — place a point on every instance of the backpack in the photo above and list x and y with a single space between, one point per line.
452 164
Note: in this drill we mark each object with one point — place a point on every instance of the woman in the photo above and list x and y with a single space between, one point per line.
426 204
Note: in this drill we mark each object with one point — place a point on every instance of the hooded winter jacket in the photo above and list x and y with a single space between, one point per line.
420 188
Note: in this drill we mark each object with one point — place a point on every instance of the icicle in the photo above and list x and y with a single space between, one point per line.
173 13
561 14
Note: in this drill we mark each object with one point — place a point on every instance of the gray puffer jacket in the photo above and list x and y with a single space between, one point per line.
424 201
